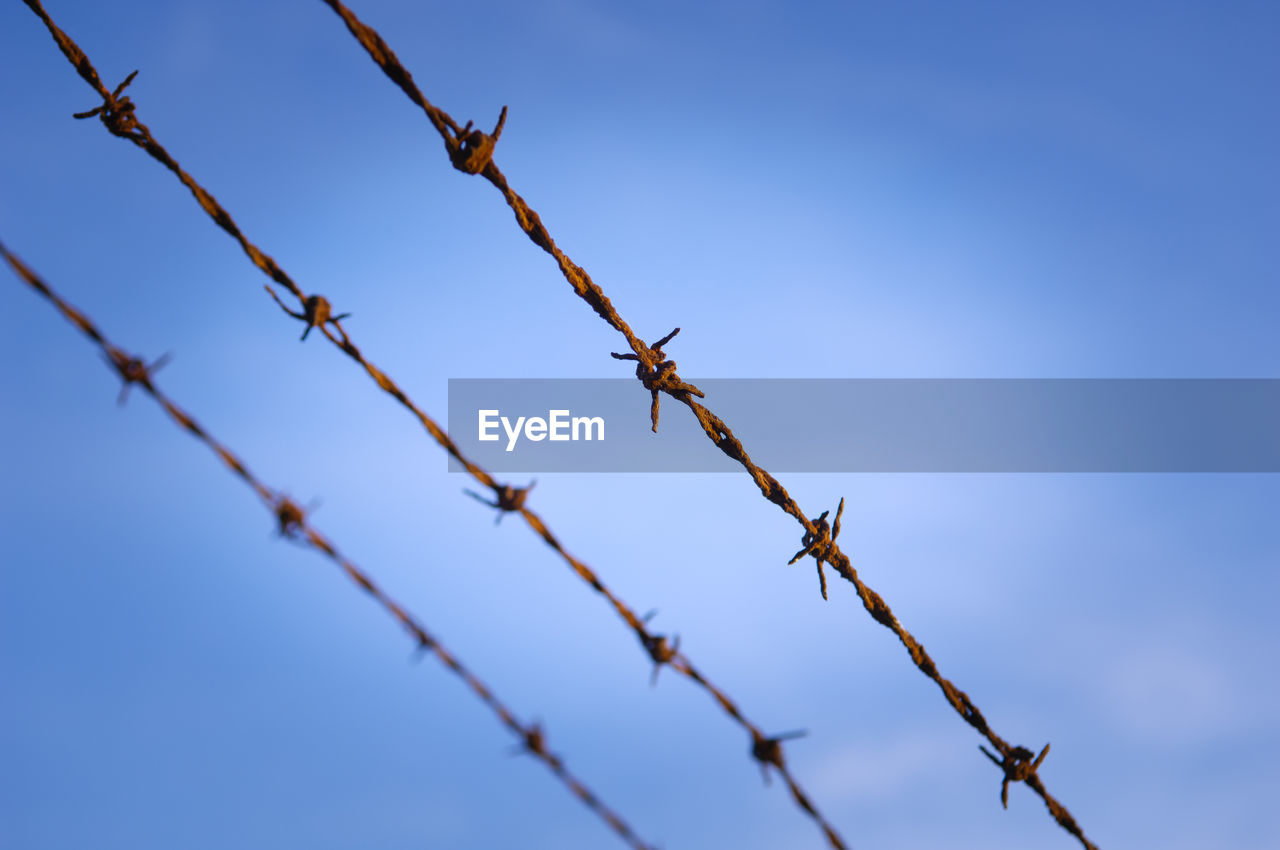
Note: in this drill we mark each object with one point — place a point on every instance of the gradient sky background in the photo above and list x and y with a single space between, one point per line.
808 190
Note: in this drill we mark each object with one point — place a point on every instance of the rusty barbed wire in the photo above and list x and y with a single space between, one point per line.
659 376
292 523
316 312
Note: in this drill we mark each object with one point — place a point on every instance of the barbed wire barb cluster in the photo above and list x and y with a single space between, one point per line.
292 523
316 312
818 544
656 376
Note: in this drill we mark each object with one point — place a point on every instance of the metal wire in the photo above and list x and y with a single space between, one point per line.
471 151
118 114
292 522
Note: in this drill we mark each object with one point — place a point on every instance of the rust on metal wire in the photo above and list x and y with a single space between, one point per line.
648 371
506 499
768 751
116 112
514 499
1017 766
818 544
316 312
658 374
473 149
293 523
290 519
659 648
132 370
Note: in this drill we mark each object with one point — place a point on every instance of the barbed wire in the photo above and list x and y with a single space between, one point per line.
118 114
292 523
471 151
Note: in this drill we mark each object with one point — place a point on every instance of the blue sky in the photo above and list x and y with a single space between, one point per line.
808 190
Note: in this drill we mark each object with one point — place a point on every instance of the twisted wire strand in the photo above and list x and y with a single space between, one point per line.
315 311
659 376
293 523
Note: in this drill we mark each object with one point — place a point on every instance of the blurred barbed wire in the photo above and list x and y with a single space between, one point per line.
291 522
